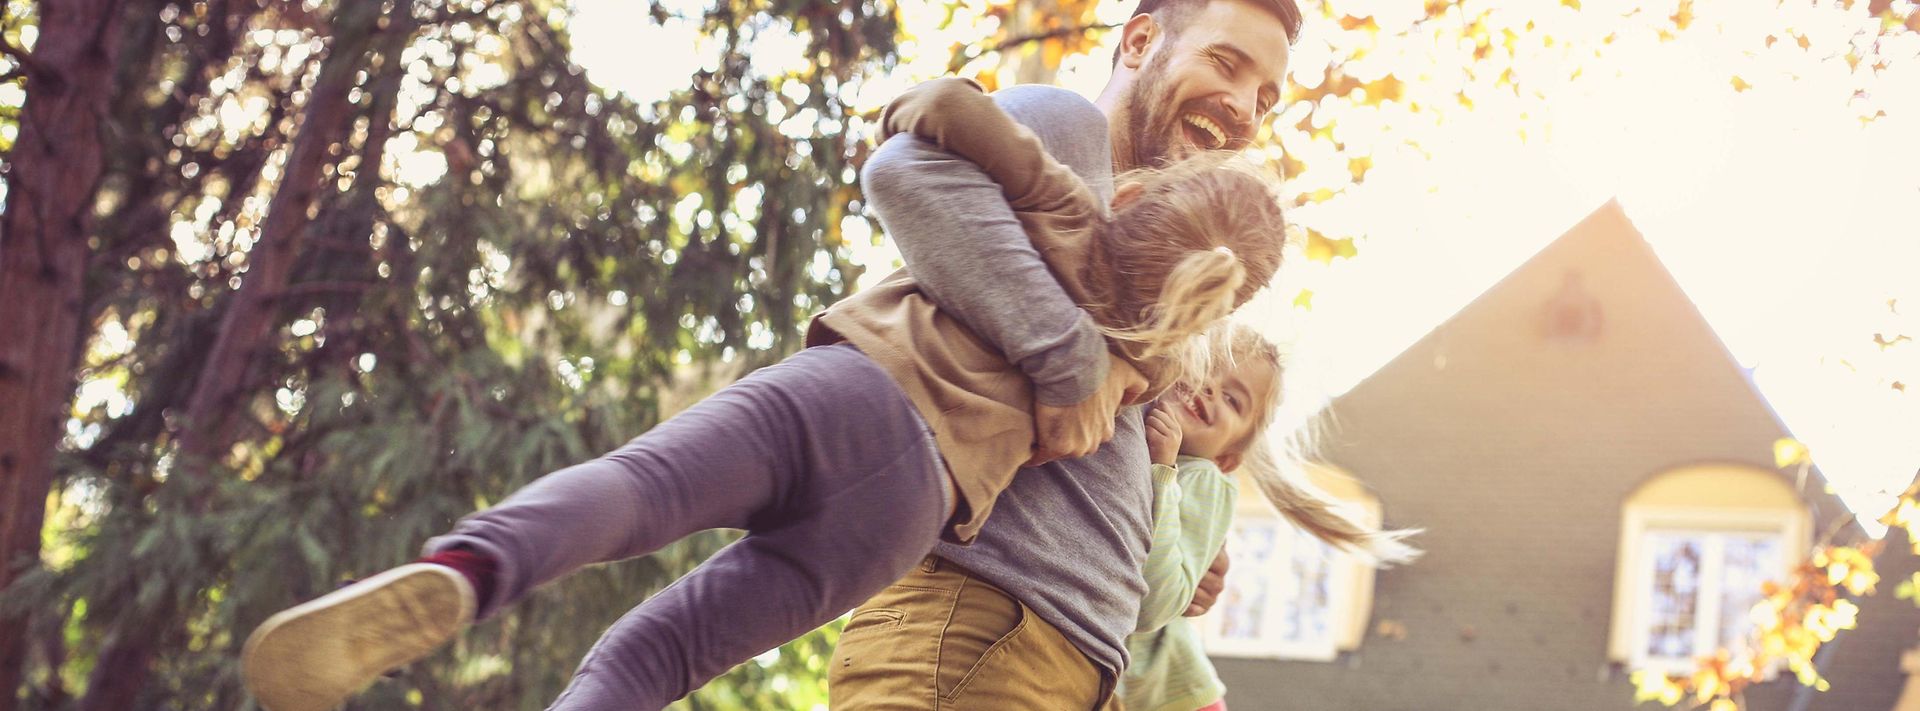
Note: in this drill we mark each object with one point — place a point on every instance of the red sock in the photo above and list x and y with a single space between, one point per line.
476 566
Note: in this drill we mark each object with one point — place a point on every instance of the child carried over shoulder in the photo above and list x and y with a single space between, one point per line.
1180 248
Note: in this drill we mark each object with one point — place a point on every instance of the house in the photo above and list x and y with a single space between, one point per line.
1594 473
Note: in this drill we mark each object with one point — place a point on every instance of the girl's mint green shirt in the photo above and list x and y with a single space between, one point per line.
1193 507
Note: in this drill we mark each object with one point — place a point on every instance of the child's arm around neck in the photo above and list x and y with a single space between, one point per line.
958 116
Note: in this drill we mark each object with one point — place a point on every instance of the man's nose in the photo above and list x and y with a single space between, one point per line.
1239 107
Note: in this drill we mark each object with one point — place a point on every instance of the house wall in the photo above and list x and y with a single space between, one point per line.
1516 445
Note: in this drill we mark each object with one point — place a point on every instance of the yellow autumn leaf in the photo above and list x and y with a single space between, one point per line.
1723 705
1741 84
1349 22
1051 52
1650 686
989 79
1788 451
1386 88
1359 167
1304 300
1683 16
1323 249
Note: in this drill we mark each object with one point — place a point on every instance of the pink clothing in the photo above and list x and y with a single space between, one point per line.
1220 705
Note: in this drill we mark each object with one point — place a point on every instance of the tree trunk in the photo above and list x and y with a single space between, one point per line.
1029 19
55 169
216 408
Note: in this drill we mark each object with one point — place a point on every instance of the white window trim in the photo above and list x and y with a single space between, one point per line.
1349 592
1634 576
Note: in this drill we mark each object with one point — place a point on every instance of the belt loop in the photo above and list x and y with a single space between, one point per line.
930 564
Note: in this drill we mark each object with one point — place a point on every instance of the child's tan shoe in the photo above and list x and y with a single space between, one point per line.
312 657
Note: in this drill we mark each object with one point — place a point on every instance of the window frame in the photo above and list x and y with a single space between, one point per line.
1350 579
1635 577
1266 643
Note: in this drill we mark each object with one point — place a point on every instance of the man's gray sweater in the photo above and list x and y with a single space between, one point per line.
1068 538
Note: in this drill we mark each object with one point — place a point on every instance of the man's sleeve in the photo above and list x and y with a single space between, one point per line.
968 252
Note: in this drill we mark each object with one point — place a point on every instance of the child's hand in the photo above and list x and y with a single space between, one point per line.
1163 436
1075 431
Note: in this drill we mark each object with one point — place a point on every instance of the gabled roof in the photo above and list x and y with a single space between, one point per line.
1593 327
1514 433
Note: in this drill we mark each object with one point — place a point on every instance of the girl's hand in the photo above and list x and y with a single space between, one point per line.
1163 436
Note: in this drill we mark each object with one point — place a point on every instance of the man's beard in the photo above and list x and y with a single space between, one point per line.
1151 115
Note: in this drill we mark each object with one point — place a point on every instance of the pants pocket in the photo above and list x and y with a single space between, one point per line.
985 620
879 619
887 654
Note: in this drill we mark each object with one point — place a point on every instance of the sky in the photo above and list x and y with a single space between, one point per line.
1787 219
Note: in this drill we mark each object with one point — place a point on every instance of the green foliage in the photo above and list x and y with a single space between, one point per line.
445 339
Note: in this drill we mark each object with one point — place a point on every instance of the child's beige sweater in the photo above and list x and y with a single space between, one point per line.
979 406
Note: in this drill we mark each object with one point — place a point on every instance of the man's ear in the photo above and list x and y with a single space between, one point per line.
1228 462
1137 38
1126 193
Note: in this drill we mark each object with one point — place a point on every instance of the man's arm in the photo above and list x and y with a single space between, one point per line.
966 249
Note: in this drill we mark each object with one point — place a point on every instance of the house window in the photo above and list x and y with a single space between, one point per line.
1699 588
1696 545
1289 595
1279 599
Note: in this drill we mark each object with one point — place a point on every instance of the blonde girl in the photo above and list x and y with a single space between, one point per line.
1196 438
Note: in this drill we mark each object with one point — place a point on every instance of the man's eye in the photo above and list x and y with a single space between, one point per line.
1226 65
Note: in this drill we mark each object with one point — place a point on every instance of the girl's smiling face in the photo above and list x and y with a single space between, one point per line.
1217 420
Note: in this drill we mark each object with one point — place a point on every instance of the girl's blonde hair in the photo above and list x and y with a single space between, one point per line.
1277 465
1198 240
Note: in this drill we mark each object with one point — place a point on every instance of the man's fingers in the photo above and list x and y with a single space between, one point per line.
1211 584
1202 601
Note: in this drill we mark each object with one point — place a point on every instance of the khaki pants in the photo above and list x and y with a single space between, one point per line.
941 638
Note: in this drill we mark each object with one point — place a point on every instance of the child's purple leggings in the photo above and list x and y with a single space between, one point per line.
821 458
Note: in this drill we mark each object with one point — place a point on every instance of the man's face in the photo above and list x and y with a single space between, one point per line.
1209 86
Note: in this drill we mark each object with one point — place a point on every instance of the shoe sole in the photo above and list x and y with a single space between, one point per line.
314 656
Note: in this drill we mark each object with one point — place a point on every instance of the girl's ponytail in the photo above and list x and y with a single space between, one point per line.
1277 463
1200 290
1322 516
1190 242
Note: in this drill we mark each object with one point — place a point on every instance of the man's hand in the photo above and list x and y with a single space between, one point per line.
1163 436
1075 431
1214 581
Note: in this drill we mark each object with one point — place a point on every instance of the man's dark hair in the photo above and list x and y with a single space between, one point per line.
1173 14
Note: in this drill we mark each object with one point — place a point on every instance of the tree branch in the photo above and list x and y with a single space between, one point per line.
962 59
